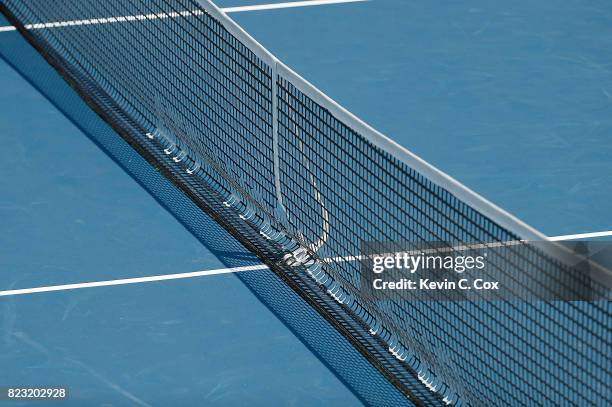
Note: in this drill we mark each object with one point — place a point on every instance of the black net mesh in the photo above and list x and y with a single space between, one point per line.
303 188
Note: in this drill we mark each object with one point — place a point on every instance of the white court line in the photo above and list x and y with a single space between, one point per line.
155 16
177 276
274 6
135 280
581 236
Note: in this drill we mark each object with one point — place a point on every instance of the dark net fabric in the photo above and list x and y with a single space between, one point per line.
321 337
302 189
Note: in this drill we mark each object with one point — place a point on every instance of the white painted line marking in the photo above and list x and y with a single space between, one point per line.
135 280
581 236
274 6
186 13
106 20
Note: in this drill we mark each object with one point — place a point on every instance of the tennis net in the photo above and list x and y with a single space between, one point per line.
303 183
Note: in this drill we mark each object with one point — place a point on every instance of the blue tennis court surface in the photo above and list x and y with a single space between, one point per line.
513 100
70 214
